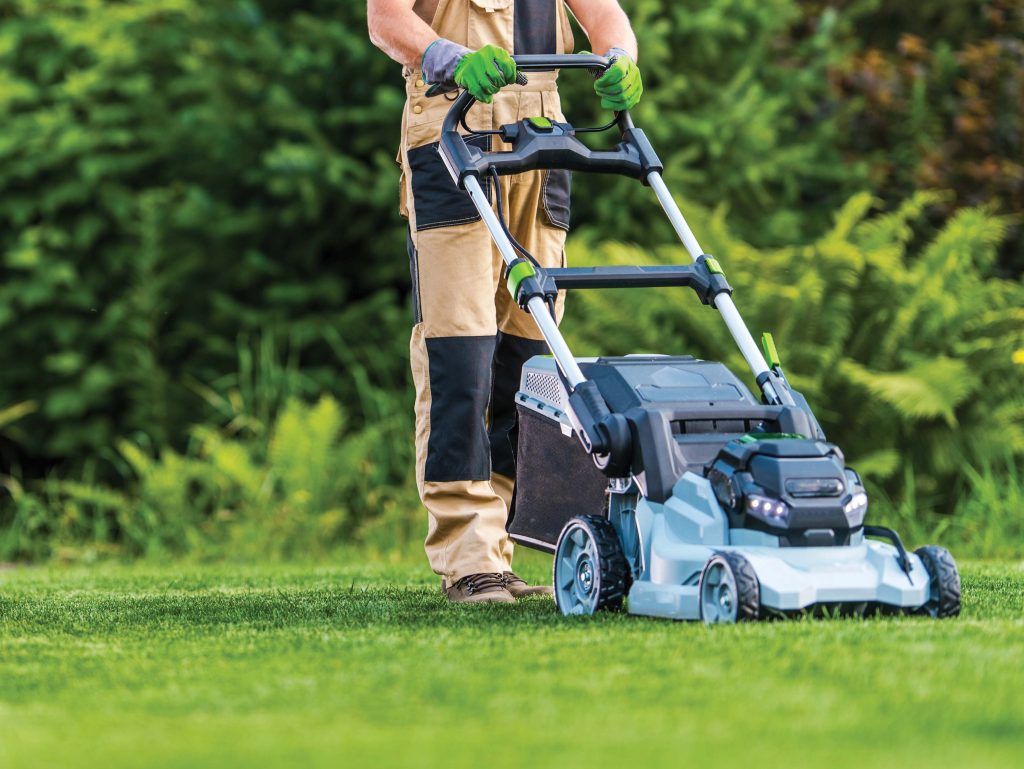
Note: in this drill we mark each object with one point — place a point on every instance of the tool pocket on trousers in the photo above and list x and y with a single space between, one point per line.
555 197
437 200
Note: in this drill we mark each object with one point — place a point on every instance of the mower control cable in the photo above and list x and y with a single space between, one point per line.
499 199
500 205
538 308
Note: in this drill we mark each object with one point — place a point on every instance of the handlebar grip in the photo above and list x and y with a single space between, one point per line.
532 62
438 89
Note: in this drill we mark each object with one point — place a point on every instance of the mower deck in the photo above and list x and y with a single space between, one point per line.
679 537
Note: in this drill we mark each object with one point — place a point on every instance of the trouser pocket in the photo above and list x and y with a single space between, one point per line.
555 197
437 200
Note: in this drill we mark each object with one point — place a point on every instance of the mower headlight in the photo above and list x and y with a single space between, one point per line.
856 508
772 511
859 501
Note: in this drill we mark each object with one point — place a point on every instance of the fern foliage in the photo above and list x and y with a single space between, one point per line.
308 487
906 346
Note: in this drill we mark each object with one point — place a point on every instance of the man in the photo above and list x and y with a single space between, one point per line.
470 339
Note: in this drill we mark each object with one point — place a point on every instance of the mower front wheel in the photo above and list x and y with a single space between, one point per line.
590 569
729 590
943 582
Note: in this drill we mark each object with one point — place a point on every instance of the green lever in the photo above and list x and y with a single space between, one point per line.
772 354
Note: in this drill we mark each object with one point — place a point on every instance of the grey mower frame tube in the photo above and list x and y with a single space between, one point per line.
723 302
549 329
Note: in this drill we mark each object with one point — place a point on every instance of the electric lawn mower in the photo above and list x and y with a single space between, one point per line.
662 479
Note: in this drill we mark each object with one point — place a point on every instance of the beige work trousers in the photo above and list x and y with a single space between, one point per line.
470 338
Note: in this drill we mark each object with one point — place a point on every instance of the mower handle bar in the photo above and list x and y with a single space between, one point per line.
546 145
545 62
552 148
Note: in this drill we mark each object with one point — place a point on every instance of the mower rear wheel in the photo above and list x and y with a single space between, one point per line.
729 590
590 569
943 582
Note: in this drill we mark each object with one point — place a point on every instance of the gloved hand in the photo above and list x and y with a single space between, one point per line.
485 72
620 87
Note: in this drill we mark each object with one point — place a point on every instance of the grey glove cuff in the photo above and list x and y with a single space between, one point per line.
439 61
614 53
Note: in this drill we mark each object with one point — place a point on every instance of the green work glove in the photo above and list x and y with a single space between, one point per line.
485 72
620 87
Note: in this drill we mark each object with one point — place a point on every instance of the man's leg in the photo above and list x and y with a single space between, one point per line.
452 353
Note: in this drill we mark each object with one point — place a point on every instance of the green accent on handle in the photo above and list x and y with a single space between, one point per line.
768 343
713 266
540 122
519 272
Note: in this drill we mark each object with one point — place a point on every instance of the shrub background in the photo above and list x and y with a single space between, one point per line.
204 295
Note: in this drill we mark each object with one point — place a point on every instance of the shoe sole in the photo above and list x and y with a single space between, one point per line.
476 601
533 592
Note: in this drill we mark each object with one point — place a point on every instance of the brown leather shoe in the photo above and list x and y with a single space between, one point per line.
478 588
518 586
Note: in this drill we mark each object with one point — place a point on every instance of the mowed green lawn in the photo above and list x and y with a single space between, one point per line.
365 665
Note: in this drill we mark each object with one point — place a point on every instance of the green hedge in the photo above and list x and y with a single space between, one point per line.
177 177
740 106
940 85
911 352
198 225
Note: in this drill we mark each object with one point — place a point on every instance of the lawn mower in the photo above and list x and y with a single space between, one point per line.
661 481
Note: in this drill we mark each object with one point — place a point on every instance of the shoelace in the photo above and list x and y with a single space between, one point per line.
510 576
479 583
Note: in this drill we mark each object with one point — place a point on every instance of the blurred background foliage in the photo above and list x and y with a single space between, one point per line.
204 298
